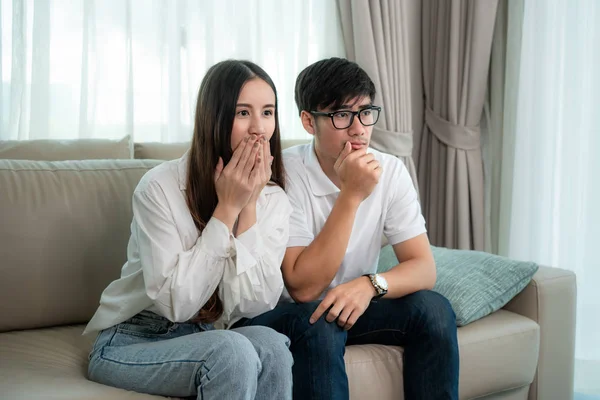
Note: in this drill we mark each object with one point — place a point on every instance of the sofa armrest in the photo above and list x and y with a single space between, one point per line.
550 300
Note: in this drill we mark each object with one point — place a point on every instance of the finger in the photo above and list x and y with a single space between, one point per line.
335 311
247 152
218 169
267 161
367 158
324 306
270 169
237 153
343 154
261 149
357 154
258 171
353 157
252 159
351 320
254 175
373 164
267 155
343 317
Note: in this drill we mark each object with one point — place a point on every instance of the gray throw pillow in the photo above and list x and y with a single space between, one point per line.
475 283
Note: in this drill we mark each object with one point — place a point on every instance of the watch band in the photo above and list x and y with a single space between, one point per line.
380 291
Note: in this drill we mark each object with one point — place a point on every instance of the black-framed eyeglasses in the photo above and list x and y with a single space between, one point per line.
342 119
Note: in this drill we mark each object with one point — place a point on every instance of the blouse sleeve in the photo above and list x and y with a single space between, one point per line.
252 281
179 281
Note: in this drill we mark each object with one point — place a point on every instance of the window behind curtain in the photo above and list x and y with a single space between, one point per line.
107 68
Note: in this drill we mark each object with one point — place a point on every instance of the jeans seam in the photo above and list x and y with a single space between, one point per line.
142 334
108 343
102 356
377 331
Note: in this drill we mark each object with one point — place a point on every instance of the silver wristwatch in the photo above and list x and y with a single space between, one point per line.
379 283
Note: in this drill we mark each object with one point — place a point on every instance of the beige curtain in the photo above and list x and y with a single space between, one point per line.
457 40
375 36
502 110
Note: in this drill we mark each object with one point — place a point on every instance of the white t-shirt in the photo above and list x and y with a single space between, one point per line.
172 270
392 210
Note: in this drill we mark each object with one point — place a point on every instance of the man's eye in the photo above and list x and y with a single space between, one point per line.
366 113
341 115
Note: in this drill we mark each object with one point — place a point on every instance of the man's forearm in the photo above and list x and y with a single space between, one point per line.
318 264
410 276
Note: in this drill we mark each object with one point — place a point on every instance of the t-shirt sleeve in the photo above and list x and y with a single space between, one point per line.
300 233
404 219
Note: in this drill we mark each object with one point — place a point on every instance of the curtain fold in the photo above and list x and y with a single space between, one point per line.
375 37
106 69
457 38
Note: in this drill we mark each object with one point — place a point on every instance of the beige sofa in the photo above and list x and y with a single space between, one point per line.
64 227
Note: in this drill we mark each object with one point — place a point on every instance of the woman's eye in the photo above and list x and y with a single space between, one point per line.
243 113
268 112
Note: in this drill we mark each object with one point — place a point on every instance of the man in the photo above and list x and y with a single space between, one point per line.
345 197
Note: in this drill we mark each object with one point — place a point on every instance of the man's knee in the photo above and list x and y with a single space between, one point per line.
437 315
328 335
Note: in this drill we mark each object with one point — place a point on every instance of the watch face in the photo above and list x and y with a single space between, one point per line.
381 282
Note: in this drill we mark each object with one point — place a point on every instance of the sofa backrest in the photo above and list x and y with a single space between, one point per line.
95 149
64 225
170 151
61 150
64 229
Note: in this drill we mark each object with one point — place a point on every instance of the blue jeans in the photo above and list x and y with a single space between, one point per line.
423 323
150 354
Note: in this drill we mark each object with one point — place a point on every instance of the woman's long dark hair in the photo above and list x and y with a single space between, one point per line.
215 111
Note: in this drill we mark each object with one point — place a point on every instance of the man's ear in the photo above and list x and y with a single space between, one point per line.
308 122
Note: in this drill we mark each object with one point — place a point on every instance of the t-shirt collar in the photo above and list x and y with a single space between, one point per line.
320 183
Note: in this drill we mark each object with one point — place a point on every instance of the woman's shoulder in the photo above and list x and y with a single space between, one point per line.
163 176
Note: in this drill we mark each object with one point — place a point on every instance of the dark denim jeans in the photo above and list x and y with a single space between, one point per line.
423 323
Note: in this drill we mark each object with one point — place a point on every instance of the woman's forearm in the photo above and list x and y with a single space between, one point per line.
246 219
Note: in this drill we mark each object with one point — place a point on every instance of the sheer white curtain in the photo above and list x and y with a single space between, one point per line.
551 163
107 68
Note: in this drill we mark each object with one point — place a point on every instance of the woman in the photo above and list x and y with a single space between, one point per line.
207 239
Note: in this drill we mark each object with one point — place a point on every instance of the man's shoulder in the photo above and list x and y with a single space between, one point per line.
395 176
295 153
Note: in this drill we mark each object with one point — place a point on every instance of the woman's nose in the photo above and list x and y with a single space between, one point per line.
257 127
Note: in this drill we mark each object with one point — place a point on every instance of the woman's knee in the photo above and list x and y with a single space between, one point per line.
234 351
271 346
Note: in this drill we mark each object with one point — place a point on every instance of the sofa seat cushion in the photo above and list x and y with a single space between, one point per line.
497 353
52 364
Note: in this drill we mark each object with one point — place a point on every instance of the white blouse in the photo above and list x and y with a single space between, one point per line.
173 271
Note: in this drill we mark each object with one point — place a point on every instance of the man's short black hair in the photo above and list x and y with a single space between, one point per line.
331 83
